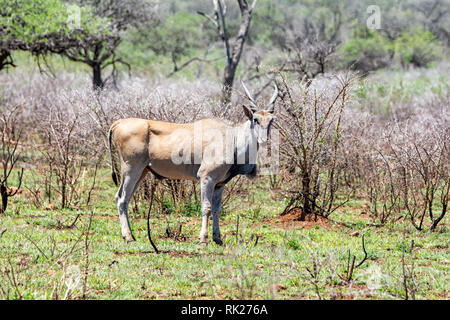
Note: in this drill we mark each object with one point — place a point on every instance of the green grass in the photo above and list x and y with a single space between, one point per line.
44 259
386 89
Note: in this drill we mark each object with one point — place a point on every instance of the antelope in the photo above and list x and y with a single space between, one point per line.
190 151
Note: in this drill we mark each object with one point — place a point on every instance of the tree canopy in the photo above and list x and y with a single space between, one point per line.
303 37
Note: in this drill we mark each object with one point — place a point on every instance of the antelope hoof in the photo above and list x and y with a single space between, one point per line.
129 238
204 239
218 241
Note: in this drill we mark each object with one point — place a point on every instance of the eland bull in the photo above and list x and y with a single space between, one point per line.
208 150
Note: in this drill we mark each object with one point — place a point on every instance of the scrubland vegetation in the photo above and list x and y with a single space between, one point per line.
357 209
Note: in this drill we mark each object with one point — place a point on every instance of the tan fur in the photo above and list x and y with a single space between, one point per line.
152 142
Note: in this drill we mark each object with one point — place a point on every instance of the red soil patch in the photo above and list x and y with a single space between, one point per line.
294 218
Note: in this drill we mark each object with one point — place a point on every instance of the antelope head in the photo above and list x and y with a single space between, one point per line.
260 119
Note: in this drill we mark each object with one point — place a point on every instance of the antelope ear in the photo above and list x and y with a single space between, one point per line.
248 112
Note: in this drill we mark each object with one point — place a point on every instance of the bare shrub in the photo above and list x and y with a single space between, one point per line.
9 142
68 144
422 155
400 161
396 157
310 126
380 180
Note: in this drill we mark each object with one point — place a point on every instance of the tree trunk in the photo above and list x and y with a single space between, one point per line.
228 80
4 196
97 80
436 221
233 53
5 59
307 207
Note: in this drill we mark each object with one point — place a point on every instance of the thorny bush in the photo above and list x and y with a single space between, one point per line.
333 146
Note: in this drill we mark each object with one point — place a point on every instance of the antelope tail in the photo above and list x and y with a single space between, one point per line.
114 175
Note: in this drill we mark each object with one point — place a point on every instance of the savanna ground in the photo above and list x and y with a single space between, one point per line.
43 256
51 250
364 157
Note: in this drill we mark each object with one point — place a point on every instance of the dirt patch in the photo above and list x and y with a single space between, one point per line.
294 218
436 248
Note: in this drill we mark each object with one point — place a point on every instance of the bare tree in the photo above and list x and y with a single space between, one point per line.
8 155
70 148
310 125
233 47
312 41
425 180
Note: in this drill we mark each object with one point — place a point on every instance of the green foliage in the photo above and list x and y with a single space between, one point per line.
30 24
293 244
418 47
175 39
191 208
266 23
177 36
387 88
188 208
27 19
366 50
369 50
179 33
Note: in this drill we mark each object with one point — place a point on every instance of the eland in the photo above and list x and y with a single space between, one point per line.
208 151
